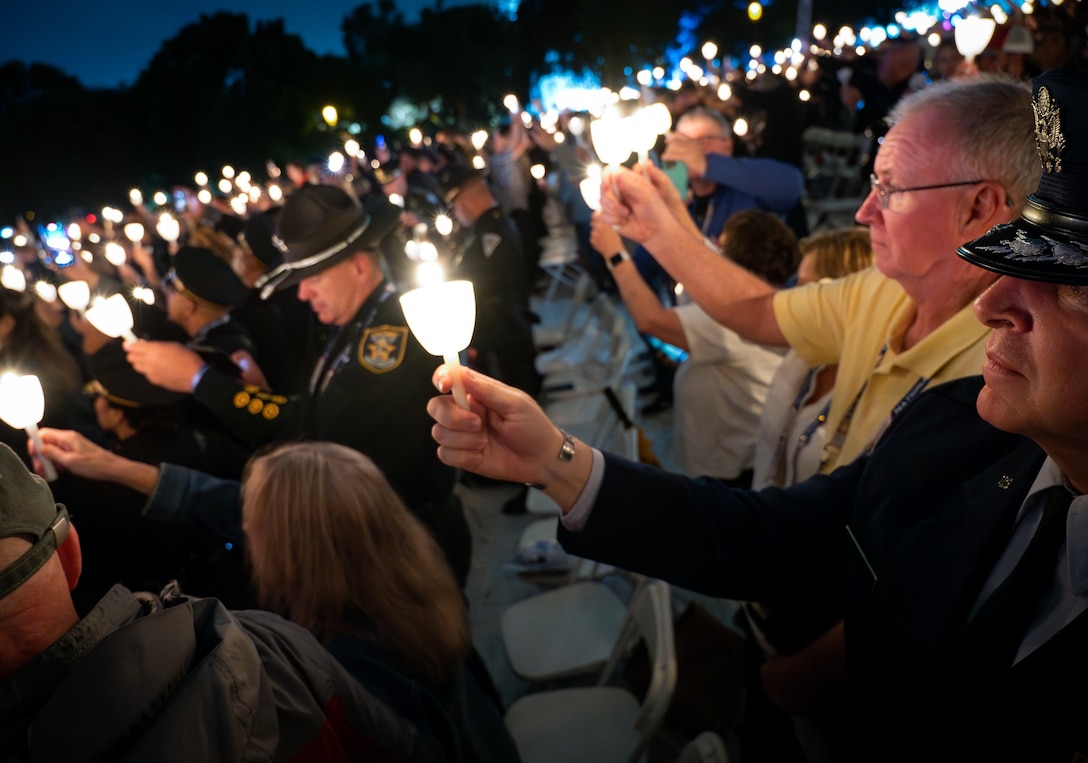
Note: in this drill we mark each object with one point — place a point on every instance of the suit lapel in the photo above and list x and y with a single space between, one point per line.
956 549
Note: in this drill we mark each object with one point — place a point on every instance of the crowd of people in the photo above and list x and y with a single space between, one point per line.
257 529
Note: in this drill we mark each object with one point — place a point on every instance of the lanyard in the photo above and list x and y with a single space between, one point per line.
708 217
337 351
782 471
834 447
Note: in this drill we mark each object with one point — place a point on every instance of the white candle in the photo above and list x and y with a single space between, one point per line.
112 316
22 405
442 317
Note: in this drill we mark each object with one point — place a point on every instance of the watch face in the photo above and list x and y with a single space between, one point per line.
616 259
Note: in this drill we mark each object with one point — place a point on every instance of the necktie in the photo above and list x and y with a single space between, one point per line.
989 641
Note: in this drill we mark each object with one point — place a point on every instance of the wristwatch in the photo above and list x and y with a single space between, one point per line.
616 259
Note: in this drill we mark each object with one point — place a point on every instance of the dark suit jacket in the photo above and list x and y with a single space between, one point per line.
931 510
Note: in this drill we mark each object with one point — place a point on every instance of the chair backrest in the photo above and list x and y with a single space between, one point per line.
650 619
833 160
578 304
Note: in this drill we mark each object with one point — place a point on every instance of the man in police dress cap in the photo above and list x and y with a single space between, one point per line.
201 290
962 538
148 424
369 378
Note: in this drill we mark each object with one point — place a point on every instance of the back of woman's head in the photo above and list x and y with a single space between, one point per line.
331 542
28 345
762 243
837 253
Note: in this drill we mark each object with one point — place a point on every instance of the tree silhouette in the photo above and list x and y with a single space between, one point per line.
218 93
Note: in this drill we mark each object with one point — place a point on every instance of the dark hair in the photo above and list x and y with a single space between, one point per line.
34 347
759 241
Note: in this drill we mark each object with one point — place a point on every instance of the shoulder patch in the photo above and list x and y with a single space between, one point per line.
382 348
489 242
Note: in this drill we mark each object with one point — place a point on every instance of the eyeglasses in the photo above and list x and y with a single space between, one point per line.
885 191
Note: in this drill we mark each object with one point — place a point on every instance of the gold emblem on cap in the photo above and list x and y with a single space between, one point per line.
1049 140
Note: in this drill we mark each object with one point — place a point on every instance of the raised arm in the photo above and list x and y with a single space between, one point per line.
651 317
727 292
73 452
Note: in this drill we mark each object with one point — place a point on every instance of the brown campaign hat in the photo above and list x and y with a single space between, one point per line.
321 225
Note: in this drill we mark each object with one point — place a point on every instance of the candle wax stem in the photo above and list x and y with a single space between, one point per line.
47 465
458 385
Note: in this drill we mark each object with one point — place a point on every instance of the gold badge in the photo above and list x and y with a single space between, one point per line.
1005 482
1049 140
241 400
271 411
382 348
255 406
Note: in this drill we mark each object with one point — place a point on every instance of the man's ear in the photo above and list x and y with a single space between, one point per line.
112 417
71 557
988 208
190 306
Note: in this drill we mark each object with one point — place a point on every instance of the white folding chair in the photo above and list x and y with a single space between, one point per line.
559 320
559 259
604 724
567 631
834 183
604 358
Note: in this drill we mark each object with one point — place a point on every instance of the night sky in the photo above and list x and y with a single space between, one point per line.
105 43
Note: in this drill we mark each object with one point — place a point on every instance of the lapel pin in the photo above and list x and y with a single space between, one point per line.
1004 482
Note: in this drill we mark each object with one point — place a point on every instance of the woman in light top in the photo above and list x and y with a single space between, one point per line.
791 438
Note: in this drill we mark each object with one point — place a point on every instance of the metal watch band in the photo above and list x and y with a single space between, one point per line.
566 450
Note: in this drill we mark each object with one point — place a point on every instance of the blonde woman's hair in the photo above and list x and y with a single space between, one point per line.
837 253
329 538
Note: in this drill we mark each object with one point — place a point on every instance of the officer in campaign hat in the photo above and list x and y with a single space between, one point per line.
369 379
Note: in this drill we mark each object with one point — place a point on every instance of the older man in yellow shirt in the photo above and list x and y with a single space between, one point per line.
959 159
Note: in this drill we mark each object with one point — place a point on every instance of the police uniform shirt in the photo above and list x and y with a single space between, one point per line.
226 336
490 257
369 391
